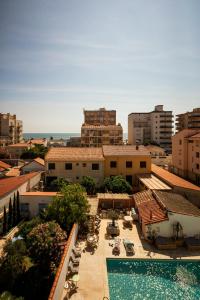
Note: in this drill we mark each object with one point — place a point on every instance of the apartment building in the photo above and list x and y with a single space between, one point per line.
186 154
11 130
126 160
98 135
153 127
100 128
74 163
188 120
100 117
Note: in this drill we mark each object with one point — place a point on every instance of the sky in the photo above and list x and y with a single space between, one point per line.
58 57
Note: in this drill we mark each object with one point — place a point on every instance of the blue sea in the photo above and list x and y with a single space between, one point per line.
59 135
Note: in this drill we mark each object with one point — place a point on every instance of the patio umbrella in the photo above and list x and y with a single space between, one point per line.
75 278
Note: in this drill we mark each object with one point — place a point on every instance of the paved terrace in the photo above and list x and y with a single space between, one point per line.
93 283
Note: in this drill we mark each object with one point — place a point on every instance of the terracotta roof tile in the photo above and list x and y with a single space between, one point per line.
4 165
177 203
74 154
172 179
19 145
124 150
7 185
14 172
149 210
39 161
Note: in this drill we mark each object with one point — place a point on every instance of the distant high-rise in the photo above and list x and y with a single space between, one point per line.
188 120
151 127
11 130
99 128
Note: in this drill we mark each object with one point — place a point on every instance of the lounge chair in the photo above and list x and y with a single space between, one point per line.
75 260
72 269
129 246
116 248
76 252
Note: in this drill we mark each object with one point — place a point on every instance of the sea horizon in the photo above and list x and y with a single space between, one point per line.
55 135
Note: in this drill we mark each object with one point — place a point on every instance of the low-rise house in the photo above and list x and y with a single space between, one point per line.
126 160
178 184
32 203
166 214
10 186
16 150
74 163
34 165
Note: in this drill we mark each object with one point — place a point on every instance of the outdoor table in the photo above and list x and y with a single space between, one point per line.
128 218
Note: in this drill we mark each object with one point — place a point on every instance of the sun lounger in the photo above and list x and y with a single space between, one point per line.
72 269
76 252
116 248
129 246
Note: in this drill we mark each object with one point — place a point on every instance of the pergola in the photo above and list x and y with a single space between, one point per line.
115 200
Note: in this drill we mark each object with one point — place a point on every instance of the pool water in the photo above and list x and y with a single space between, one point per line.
153 279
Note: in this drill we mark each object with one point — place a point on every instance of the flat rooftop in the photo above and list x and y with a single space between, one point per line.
152 182
74 154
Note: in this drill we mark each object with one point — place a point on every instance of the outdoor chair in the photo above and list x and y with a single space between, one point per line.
129 247
116 248
76 252
72 269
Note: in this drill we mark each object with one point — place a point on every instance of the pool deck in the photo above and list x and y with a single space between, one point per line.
93 283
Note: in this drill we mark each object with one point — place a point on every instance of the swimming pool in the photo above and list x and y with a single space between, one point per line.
145 279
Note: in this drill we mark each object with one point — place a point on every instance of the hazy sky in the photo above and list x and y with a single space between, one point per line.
58 57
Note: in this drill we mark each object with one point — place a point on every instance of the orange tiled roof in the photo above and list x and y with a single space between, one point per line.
172 179
4 165
37 141
19 145
177 203
39 161
149 210
74 154
7 185
14 172
126 150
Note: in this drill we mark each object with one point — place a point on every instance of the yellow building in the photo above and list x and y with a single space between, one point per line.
11 130
188 120
126 160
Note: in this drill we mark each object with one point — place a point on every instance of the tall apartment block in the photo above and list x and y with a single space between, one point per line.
99 128
188 120
186 154
11 130
152 127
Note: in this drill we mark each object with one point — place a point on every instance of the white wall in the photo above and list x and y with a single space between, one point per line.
34 201
190 225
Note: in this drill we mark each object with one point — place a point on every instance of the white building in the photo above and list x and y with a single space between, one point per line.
160 212
152 127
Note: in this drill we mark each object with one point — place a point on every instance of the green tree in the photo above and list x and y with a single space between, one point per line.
43 243
27 227
117 184
18 208
14 211
89 184
36 151
8 296
69 206
13 263
4 221
10 214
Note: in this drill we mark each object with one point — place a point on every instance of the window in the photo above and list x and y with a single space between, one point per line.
52 166
197 166
128 164
143 164
77 177
95 166
77 164
68 166
197 154
84 165
113 164
180 142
